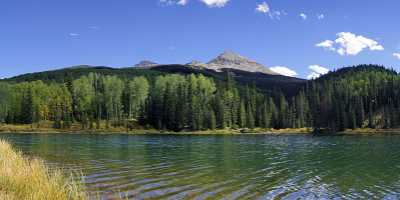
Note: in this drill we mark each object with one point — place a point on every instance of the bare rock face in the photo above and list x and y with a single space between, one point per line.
226 60
146 64
197 64
232 60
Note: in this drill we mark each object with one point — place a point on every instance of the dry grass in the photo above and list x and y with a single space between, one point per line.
30 179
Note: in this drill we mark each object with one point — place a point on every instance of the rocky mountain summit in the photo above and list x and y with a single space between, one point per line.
226 60
146 64
231 60
197 64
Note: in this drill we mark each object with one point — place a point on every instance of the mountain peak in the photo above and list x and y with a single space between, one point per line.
230 59
146 64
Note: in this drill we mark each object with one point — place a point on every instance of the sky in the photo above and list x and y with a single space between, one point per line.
302 38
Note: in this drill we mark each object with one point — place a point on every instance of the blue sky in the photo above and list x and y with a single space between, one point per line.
37 35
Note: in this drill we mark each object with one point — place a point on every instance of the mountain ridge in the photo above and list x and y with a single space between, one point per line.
232 60
225 60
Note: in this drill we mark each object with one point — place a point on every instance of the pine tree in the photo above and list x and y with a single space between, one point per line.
26 116
242 115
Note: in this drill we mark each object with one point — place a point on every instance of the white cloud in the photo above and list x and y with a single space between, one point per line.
284 71
320 16
174 2
263 7
327 44
397 55
95 28
313 75
303 16
182 2
316 71
273 14
73 34
215 3
350 44
277 14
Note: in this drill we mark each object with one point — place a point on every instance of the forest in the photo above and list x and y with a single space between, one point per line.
364 96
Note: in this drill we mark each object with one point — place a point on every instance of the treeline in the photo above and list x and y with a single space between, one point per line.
365 96
358 97
172 102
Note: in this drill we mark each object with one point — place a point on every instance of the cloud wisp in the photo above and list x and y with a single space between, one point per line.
350 44
396 55
208 3
264 8
215 3
320 16
303 16
316 71
73 34
174 2
284 71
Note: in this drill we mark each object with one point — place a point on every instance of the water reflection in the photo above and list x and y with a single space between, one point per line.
225 167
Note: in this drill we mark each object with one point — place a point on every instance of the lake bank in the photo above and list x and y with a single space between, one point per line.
76 129
46 127
23 178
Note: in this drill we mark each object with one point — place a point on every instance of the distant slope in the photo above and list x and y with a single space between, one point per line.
265 82
76 72
351 72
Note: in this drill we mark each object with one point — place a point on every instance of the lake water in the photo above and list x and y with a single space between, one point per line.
225 167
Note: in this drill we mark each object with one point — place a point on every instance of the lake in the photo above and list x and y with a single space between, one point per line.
225 167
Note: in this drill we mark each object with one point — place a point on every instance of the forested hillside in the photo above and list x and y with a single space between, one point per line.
173 99
265 82
356 97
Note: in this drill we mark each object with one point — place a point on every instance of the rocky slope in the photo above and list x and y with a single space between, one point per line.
146 64
231 60
226 60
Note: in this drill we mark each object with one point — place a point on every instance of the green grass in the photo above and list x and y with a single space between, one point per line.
46 127
30 179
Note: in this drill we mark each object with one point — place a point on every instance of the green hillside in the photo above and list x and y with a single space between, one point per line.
178 97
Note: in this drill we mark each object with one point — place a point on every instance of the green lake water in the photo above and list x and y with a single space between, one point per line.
225 167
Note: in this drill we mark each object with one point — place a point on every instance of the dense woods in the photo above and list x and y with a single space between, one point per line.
356 97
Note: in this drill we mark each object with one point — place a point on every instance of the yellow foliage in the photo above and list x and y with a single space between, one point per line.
30 179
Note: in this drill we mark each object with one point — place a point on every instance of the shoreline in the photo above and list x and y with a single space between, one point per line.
33 129
76 129
29 178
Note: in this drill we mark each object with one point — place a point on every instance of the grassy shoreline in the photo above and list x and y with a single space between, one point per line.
76 129
23 178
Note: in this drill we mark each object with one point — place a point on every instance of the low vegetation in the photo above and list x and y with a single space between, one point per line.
30 179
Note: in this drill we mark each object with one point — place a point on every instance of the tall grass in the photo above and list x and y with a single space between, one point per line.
30 179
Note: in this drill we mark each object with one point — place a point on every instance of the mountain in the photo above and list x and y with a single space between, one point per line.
79 67
354 71
231 60
60 75
146 64
226 60
242 69
266 83
197 64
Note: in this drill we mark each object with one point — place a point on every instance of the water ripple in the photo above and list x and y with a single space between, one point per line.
228 168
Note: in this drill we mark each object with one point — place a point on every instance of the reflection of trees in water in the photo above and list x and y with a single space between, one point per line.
279 166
